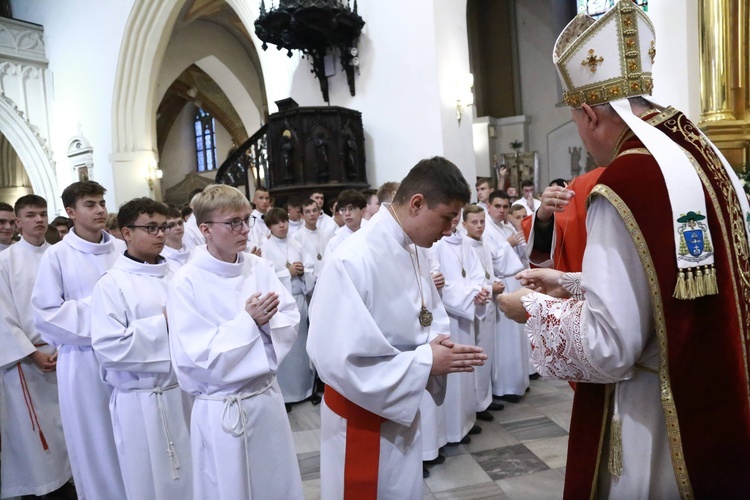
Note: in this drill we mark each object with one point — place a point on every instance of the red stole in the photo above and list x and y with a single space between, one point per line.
571 223
704 381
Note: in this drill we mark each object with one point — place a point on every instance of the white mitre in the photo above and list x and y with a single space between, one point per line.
607 59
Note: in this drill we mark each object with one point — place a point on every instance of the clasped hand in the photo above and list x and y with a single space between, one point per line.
448 357
262 309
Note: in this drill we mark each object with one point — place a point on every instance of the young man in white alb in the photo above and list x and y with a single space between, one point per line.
231 324
325 221
294 210
350 205
7 225
34 454
61 300
510 377
494 266
464 298
294 267
312 238
150 414
193 237
174 251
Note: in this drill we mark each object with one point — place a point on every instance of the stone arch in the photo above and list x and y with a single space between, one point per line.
144 44
32 152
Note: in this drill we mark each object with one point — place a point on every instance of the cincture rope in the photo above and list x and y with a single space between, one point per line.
173 460
30 408
237 425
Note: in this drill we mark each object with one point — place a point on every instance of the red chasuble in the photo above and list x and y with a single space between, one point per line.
703 342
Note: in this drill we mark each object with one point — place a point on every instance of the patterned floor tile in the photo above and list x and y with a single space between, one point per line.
545 485
473 492
553 451
534 428
456 472
509 461
309 465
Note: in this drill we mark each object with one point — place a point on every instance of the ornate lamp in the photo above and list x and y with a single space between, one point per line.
314 27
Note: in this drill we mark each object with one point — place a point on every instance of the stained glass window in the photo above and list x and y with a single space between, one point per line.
596 8
205 141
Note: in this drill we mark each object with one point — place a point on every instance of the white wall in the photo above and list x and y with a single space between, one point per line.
82 38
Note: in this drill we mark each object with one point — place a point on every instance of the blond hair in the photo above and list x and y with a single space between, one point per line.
218 197
471 209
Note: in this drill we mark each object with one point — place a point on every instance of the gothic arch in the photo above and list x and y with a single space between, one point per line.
31 151
144 44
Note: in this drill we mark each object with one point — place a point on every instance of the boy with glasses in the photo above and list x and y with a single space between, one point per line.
61 300
231 324
150 414
350 204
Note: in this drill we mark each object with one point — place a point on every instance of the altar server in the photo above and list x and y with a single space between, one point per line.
176 253
294 267
377 334
312 238
34 458
231 323
61 299
494 265
294 210
464 298
510 374
150 414
193 236
350 205
7 225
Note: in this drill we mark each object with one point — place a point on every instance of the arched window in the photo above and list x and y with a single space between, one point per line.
205 141
596 8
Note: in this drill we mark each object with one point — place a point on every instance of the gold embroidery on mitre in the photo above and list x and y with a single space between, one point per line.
630 43
592 61
652 51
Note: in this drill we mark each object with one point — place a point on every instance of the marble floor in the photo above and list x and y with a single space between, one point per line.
519 455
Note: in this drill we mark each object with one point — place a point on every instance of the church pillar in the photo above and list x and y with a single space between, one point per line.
725 85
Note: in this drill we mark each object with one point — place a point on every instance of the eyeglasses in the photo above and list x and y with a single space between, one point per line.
153 230
235 224
348 208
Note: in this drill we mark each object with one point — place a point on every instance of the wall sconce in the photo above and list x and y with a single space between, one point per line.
152 174
465 95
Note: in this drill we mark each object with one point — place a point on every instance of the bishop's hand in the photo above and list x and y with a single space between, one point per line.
543 280
448 357
554 200
510 304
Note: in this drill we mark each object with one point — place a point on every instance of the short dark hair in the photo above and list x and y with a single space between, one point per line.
309 202
527 183
173 213
61 220
351 197
498 193
274 216
294 202
186 210
369 193
5 207
262 188
29 200
438 180
130 211
78 190
559 182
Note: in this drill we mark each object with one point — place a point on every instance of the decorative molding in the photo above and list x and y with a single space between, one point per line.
32 128
22 41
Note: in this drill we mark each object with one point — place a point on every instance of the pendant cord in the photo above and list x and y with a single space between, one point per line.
417 273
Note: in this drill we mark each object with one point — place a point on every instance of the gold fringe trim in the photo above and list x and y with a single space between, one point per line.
694 283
